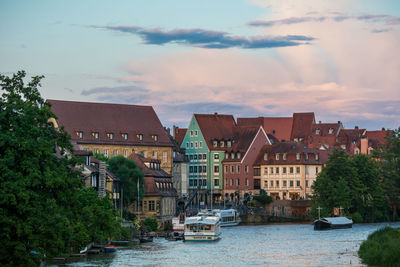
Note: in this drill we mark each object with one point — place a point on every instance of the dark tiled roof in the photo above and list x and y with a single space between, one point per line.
377 137
326 136
242 138
302 123
280 127
179 134
290 149
215 127
110 118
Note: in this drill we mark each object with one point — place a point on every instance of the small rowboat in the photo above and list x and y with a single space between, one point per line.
110 249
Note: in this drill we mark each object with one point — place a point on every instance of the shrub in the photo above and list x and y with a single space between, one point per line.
356 217
263 199
150 224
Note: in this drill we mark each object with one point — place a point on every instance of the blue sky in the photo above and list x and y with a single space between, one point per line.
339 59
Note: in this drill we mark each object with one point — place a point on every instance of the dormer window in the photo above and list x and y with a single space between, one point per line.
110 136
124 136
265 156
95 135
79 134
317 131
330 131
238 155
316 157
284 156
226 156
298 156
140 137
154 137
232 155
228 143
277 156
215 143
222 143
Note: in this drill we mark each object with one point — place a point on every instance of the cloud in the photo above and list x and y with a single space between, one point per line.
209 39
338 17
113 90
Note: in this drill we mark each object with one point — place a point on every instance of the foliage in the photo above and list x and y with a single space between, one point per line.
129 174
352 183
150 224
263 199
100 157
41 195
382 248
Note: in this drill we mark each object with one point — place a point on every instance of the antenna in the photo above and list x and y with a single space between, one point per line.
319 212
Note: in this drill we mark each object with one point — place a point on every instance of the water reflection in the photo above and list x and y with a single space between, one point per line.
269 245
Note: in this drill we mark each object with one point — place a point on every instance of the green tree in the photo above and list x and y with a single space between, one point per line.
129 174
40 188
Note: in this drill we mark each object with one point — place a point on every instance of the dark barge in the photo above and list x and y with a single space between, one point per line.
329 223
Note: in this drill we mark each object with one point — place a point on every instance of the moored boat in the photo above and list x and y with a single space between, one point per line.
202 228
110 249
178 225
329 223
229 217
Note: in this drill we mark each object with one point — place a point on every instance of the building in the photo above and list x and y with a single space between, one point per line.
160 196
205 142
279 127
287 170
239 160
323 136
115 129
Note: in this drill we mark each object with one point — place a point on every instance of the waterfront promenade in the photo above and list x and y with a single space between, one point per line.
267 245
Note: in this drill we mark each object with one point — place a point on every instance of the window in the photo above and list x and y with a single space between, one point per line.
195 133
226 168
256 171
204 156
317 131
216 182
106 153
200 156
232 168
265 156
297 169
154 154
94 180
272 183
204 168
231 182
266 184
95 135
238 155
238 168
215 143
155 137
216 169
151 205
201 144
115 152
246 182
284 183
204 182
306 183
306 170
232 155
191 133
291 169
297 156
284 156
190 169
191 144
271 170
95 151
195 144
277 183
164 157
265 171
190 182
194 169
110 136
226 156
277 170
246 169
124 152
187 144
190 157
125 136
216 156
330 131
291 184
221 143
194 182
229 143
238 181
316 157
277 156
79 134
298 183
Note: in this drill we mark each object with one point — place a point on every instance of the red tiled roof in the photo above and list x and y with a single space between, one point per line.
215 127
179 134
242 138
280 127
302 123
379 136
110 118
324 137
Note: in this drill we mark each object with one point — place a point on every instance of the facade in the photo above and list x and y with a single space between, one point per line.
160 196
114 129
205 142
287 170
239 160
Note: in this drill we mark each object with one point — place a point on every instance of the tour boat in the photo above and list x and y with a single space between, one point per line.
110 249
229 217
328 223
202 228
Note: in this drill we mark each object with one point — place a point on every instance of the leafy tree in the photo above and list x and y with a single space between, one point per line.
129 174
150 224
41 191
263 199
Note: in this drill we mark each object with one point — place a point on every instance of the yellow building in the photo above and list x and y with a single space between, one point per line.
287 170
115 129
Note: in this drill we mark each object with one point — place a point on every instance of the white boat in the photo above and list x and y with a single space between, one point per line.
178 225
229 217
202 228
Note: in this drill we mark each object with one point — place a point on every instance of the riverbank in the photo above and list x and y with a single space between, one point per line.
263 219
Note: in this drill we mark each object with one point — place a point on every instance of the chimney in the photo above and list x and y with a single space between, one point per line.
215 113
383 129
364 146
319 122
102 179
338 122
356 127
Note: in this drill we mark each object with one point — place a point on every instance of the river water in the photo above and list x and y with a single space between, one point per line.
267 245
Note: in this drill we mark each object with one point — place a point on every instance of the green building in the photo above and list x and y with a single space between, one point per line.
206 140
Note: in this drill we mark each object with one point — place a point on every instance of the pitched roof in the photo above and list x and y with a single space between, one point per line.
215 127
179 134
110 118
302 123
242 137
280 127
378 136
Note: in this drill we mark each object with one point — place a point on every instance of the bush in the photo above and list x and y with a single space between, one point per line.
150 224
356 217
263 199
382 248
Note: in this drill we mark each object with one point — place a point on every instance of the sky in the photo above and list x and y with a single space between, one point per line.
339 59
